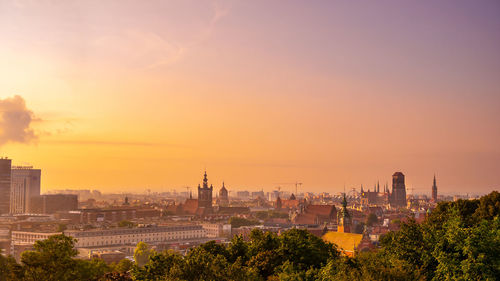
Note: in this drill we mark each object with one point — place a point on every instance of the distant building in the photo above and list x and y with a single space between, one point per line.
24 240
258 194
205 194
243 194
123 236
5 183
52 203
25 185
316 214
398 195
375 197
223 196
215 230
90 216
434 190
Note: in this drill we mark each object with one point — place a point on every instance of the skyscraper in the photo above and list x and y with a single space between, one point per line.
205 194
5 176
25 185
398 195
434 190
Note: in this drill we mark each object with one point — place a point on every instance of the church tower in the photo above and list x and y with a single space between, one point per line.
223 196
344 224
205 194
398 195
434 190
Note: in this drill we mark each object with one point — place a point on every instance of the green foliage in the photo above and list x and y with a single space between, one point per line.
9 269
367 266
458 241
53 259
126 224
142 253
371 219
263 215
238 222
123 266
61 227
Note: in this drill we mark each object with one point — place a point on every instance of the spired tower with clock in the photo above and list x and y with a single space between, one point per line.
205 194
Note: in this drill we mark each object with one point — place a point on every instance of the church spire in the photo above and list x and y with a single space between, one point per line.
205 180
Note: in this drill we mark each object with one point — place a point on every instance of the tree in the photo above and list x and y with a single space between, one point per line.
160 265
123 266
371 219
142 253
52 259
126 224
239 222
305 250
10 270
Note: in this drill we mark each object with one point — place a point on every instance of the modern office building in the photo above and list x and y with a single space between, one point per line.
25 185
52 203
5 183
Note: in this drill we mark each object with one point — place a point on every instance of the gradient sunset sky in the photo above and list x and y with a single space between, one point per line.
129 95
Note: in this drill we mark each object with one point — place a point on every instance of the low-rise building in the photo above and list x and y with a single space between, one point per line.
124 236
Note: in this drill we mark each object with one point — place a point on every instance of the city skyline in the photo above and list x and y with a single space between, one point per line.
258 93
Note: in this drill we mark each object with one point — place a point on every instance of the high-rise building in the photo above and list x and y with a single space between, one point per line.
434 190
25 185
205 194
5 176
398 195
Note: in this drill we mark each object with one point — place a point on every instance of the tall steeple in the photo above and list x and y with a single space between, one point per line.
205 193
205 180
344 224
434 190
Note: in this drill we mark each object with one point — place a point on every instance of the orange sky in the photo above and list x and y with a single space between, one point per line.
128 95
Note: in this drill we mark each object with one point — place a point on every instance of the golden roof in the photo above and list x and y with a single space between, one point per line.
345 241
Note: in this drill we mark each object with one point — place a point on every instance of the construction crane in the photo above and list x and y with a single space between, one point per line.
293 183
188 188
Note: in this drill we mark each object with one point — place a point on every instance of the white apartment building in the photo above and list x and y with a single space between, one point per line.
124 236
29 238
215 230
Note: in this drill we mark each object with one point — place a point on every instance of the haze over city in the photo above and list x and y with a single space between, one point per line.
124 96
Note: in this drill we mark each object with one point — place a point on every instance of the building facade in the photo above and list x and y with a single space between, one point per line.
124 236
5 183
25 185
52 203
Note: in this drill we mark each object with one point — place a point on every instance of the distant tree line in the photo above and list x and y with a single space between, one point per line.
458 241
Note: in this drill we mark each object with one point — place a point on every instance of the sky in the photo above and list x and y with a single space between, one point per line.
130 95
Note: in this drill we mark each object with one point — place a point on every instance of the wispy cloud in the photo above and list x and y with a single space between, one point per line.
110 143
